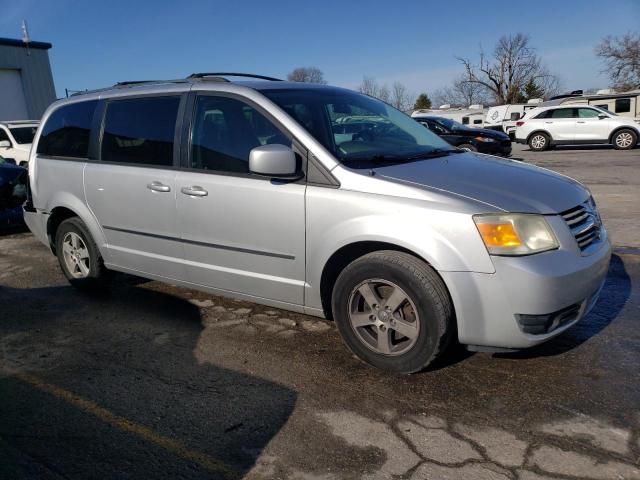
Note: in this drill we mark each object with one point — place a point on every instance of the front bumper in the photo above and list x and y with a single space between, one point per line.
490 307
495 148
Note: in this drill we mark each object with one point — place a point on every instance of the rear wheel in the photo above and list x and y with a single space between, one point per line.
79 256
624 139
539 142
393 311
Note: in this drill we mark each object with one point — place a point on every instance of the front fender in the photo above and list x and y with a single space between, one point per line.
448 241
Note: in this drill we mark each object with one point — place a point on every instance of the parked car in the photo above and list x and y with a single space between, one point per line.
13 193
545 127
480 140
16 138
243 189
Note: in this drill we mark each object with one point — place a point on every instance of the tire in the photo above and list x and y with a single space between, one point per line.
624 139
539 142
468 146
79 256
424 311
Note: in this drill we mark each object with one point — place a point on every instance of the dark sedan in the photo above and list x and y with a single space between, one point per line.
480 140
13 193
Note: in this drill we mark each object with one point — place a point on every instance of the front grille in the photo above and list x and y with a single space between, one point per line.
585 224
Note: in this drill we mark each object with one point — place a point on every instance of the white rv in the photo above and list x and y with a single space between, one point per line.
473 116
504 117
625 104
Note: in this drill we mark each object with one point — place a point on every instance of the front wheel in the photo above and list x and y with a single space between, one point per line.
393 311
624 139
468 146
79 256
539 142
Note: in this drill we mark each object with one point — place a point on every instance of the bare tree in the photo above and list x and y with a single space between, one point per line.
401 98
371 87
461 93
307 75
505 73
621 55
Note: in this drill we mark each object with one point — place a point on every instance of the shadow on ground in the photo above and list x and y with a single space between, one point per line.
153 412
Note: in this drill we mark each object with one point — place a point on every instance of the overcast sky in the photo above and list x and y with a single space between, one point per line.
99 43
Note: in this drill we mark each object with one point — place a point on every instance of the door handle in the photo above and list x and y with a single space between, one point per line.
548 122
194 191
158 187
581 122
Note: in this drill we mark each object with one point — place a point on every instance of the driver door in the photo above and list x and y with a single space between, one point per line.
242 233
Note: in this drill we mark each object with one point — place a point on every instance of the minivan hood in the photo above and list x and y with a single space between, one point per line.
509 185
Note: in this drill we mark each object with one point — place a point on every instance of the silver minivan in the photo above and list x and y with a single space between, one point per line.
256 190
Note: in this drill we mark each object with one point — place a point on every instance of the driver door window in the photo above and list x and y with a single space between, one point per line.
225 130
439 129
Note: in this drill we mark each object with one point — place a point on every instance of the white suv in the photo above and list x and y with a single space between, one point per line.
544 127
16 138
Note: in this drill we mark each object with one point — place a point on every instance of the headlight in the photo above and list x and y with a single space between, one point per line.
515 233
484 139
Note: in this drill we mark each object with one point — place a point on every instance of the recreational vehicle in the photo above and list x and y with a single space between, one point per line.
472 116
504 117
624 104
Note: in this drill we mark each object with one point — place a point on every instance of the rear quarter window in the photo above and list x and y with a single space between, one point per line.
67 131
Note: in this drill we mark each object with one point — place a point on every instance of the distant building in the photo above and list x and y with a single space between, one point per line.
26 82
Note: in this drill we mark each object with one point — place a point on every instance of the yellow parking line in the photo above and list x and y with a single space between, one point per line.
128 426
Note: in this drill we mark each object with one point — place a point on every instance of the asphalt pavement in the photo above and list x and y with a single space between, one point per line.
151 381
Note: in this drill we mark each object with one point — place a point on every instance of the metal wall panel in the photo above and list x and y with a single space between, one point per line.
37 79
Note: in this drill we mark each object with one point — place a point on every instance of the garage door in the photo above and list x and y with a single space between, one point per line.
12 102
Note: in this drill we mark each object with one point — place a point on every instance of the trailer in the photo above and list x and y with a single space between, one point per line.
625 104
472 116
504 117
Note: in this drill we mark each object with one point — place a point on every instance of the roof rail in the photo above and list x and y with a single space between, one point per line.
219 76
130 83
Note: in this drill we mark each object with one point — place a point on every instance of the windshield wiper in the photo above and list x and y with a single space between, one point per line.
376 158
436 152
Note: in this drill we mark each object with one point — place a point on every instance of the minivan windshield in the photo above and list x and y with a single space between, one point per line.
358 129
23 134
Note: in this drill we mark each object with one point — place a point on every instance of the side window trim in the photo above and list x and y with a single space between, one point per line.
189 121
100 116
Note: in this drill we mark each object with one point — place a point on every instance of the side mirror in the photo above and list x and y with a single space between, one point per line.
5 144
601 116
273 161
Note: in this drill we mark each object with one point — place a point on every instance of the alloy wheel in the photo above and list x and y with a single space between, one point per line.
538 142
76 255
624 140
383 317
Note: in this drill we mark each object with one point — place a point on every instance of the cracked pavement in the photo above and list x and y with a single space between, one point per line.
152 381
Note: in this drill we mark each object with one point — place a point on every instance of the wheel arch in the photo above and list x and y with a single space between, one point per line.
347 254
68 207
540 130
624 127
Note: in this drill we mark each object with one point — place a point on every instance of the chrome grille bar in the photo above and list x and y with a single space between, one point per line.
583 221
